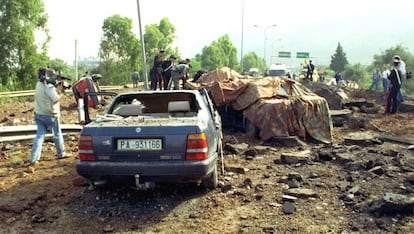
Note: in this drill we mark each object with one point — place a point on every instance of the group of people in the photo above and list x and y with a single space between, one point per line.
391 83
166 74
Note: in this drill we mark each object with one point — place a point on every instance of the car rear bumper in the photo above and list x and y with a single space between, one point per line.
155 171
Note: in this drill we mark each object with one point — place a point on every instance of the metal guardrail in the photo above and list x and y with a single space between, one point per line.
26 132
24 93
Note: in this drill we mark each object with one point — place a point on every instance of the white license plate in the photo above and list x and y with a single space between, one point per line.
139 144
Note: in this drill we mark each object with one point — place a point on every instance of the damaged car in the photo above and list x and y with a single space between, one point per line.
150 137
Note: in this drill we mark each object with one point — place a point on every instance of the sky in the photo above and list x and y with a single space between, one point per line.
362 27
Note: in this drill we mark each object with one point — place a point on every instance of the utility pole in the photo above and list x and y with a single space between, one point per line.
242 38
144 63
76 60
264 39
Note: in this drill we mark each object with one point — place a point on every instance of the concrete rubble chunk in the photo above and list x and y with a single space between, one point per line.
301 192
296 157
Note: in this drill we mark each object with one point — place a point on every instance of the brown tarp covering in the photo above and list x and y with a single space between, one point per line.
278 107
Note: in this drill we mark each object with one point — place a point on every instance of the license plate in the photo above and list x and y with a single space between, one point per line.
139 144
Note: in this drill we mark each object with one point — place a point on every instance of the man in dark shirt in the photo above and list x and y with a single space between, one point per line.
166 74
156 70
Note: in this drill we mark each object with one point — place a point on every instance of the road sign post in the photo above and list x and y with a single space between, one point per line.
302 54
284 54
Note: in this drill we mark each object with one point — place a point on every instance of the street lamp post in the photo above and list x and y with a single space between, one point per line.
265 38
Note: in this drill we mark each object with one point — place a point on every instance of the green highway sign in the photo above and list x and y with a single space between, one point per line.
284 54
302 54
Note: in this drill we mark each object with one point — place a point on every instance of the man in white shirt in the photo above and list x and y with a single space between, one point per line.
47 114
385 74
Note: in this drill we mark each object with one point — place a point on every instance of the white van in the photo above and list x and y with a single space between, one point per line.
277 69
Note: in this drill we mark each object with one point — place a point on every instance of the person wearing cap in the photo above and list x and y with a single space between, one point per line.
156 70
395 76
178 72
401 68
166 66
309 74
47 114
185 78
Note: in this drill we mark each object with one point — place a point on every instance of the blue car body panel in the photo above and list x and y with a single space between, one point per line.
165 164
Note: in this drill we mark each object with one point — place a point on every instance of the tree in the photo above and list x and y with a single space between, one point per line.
251 60
356 73
19 56
157 37
338 60
118 49
220 53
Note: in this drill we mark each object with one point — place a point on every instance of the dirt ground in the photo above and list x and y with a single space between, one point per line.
339 189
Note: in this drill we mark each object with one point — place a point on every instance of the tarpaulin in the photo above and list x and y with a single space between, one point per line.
279 107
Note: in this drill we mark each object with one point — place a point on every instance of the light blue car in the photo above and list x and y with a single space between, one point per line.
146 137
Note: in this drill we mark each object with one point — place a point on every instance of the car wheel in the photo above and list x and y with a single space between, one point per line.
212 180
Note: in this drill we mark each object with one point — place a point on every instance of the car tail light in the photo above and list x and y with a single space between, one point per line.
196 147
86 152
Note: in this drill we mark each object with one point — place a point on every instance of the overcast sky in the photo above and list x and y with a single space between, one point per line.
363 27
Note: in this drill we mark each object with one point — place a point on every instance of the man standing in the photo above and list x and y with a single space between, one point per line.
309 74
167 65
47 114
375 80
156 70
401 68
135 79
385 74
395 85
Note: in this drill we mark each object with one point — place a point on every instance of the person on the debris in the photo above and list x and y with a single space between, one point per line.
185 78
338 77
135 79
385 74
47 114
403 71
156 70
391 104
309 74
178 72
375 80
166 73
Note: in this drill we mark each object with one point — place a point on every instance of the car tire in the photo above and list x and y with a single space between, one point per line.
211 181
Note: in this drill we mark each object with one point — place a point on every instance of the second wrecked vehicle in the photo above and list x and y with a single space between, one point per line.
153 136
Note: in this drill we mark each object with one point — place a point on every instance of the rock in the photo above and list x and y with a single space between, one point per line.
288 208
10 220
356 122
393 203
293 184
325 155
108 228
290 141
377 170
296 157
362 139
344 157
301 192
295 176
226 188
238 149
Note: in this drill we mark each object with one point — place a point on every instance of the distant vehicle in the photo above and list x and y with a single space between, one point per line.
148 137
277 69
254 72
